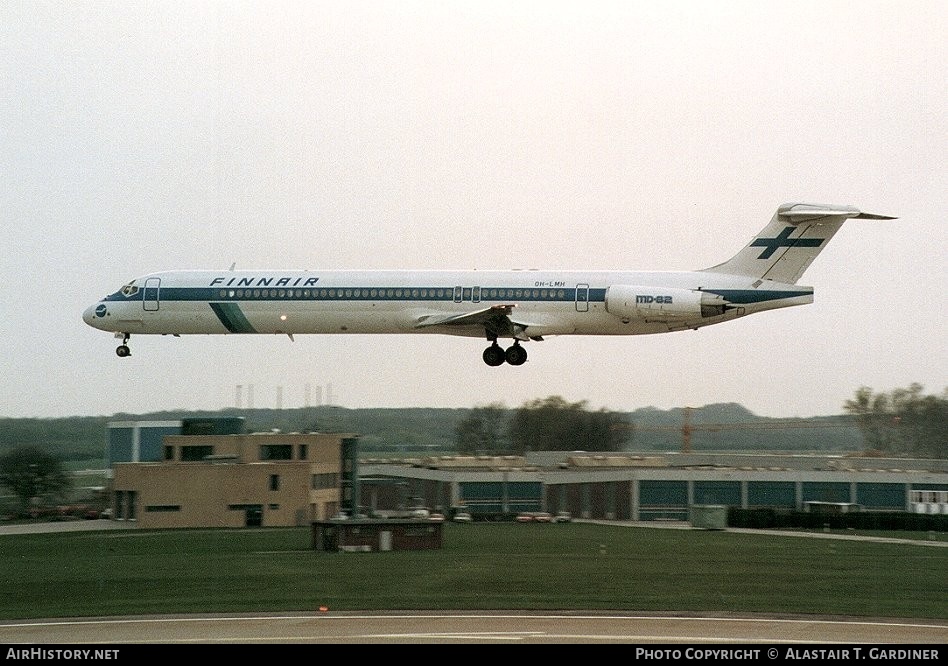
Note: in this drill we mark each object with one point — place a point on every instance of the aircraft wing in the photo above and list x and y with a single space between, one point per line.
495 319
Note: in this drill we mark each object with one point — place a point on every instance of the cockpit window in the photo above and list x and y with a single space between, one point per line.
130 289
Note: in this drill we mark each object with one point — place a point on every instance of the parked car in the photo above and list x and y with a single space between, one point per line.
524 517
563 517
463 517
542 517
436 517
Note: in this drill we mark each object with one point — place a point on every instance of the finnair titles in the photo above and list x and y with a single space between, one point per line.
519 306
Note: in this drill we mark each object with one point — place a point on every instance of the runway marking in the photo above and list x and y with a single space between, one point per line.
483 636
464 635
389 616
339 637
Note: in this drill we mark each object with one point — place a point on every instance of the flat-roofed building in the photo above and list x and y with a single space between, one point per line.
141 441
612 486
239 480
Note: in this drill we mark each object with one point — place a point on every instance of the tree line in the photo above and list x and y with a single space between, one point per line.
547 424
903 421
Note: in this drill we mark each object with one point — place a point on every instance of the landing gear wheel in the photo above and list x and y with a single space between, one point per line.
123 349
494 355
516 355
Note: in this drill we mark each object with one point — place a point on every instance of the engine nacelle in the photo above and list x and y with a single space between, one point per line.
661 304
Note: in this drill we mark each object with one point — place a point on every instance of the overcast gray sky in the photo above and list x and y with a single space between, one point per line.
144 136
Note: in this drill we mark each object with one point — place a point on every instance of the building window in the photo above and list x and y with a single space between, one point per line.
303 450
273 507
276 452
195 453
169 453
162 508
274 482
324 481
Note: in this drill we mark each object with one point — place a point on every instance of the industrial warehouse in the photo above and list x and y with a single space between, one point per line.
657 487
208 473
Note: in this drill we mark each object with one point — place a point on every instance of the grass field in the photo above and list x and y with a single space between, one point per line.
482 566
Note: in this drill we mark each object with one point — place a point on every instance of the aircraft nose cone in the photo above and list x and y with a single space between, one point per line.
88 314
93 314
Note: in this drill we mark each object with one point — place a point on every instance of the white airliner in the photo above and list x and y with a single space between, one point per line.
520 305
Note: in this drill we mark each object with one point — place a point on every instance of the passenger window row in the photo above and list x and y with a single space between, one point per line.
389 294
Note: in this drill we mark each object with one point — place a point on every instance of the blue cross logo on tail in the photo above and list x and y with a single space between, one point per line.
783 240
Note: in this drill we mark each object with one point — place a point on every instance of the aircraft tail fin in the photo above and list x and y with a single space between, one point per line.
787 246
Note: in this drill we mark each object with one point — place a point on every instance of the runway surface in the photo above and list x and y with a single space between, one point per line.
487 627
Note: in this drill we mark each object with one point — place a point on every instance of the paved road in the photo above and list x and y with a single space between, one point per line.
675 525
66 526
80 525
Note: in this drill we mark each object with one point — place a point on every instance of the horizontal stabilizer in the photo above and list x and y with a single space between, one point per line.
870 216
794 213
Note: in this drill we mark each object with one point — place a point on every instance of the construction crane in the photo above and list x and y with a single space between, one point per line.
687 427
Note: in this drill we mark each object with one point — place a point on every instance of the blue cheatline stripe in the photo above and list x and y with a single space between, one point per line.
756 295
232 318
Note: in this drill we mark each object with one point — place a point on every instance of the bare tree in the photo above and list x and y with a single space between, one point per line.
903 421
482 431
29 472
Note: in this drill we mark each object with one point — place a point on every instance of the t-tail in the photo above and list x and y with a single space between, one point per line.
788 245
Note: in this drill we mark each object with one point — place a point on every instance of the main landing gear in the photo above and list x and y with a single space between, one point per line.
123 349
514 355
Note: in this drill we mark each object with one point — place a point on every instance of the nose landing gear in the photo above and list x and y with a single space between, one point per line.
122 350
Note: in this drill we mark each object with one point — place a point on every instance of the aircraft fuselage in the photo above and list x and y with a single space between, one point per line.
520 304
324 302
